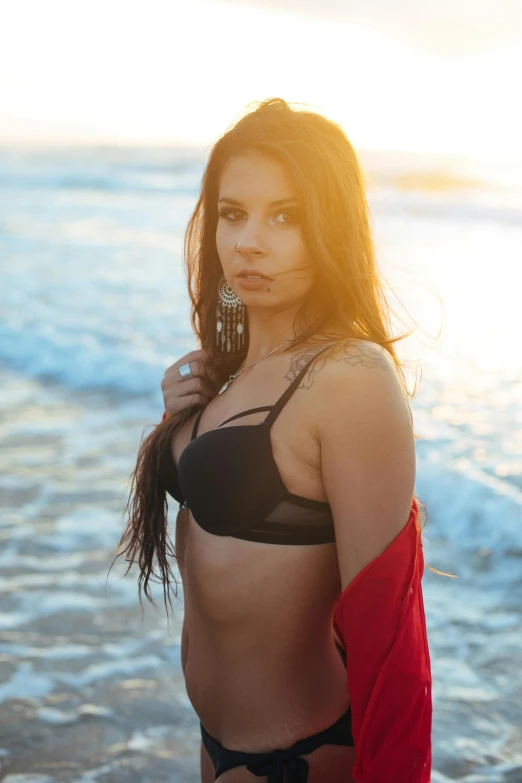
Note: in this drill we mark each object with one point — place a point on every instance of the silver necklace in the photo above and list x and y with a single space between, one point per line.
234 375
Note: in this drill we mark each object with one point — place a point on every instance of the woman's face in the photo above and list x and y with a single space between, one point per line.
259 230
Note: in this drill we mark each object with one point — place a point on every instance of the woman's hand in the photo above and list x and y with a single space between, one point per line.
180 393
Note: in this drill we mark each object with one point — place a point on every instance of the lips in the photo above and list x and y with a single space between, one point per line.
255 272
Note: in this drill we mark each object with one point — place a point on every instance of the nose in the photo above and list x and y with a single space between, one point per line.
249 242
248 250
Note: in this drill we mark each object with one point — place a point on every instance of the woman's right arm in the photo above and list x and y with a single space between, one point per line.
180 393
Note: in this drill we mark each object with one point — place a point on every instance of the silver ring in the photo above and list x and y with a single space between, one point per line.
185 371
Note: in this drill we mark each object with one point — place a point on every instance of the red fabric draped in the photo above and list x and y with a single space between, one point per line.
380 618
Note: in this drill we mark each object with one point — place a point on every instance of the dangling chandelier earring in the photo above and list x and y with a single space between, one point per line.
230 323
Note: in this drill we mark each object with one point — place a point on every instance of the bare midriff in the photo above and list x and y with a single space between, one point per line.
260 662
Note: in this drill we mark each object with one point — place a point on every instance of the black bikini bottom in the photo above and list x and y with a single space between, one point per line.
273 762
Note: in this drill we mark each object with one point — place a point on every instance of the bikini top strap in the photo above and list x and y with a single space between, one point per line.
283 399
196 424
246 413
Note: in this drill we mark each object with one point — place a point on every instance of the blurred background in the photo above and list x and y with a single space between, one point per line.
107 113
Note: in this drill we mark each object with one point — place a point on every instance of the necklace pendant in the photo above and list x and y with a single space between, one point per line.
234 375
227 383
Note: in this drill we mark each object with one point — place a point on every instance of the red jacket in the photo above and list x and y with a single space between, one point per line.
380 618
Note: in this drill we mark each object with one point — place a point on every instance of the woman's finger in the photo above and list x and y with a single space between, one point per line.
192 385
197 367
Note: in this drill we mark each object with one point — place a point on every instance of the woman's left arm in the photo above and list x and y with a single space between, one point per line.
368 465
367 452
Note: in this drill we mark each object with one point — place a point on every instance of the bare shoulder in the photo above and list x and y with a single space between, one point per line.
347 357
353 378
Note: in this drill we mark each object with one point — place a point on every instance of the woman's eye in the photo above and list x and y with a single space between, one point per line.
226 213
293 218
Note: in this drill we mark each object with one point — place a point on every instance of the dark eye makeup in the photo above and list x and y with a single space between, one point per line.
292 213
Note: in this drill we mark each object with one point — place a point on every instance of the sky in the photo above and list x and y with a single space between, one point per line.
409 75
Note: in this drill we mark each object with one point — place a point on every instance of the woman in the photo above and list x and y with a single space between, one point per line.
287 441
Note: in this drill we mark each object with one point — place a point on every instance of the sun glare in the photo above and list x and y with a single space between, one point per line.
180 73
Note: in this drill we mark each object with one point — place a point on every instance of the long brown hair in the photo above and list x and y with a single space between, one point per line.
349 291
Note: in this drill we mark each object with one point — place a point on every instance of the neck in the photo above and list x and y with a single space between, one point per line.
267 330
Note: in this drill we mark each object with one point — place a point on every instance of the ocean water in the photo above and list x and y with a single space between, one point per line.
93 309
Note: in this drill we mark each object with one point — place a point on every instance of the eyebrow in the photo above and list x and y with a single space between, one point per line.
277 203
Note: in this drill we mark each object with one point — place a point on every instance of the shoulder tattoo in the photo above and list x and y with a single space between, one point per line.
350 350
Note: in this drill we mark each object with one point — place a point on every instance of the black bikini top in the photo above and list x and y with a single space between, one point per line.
230 481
